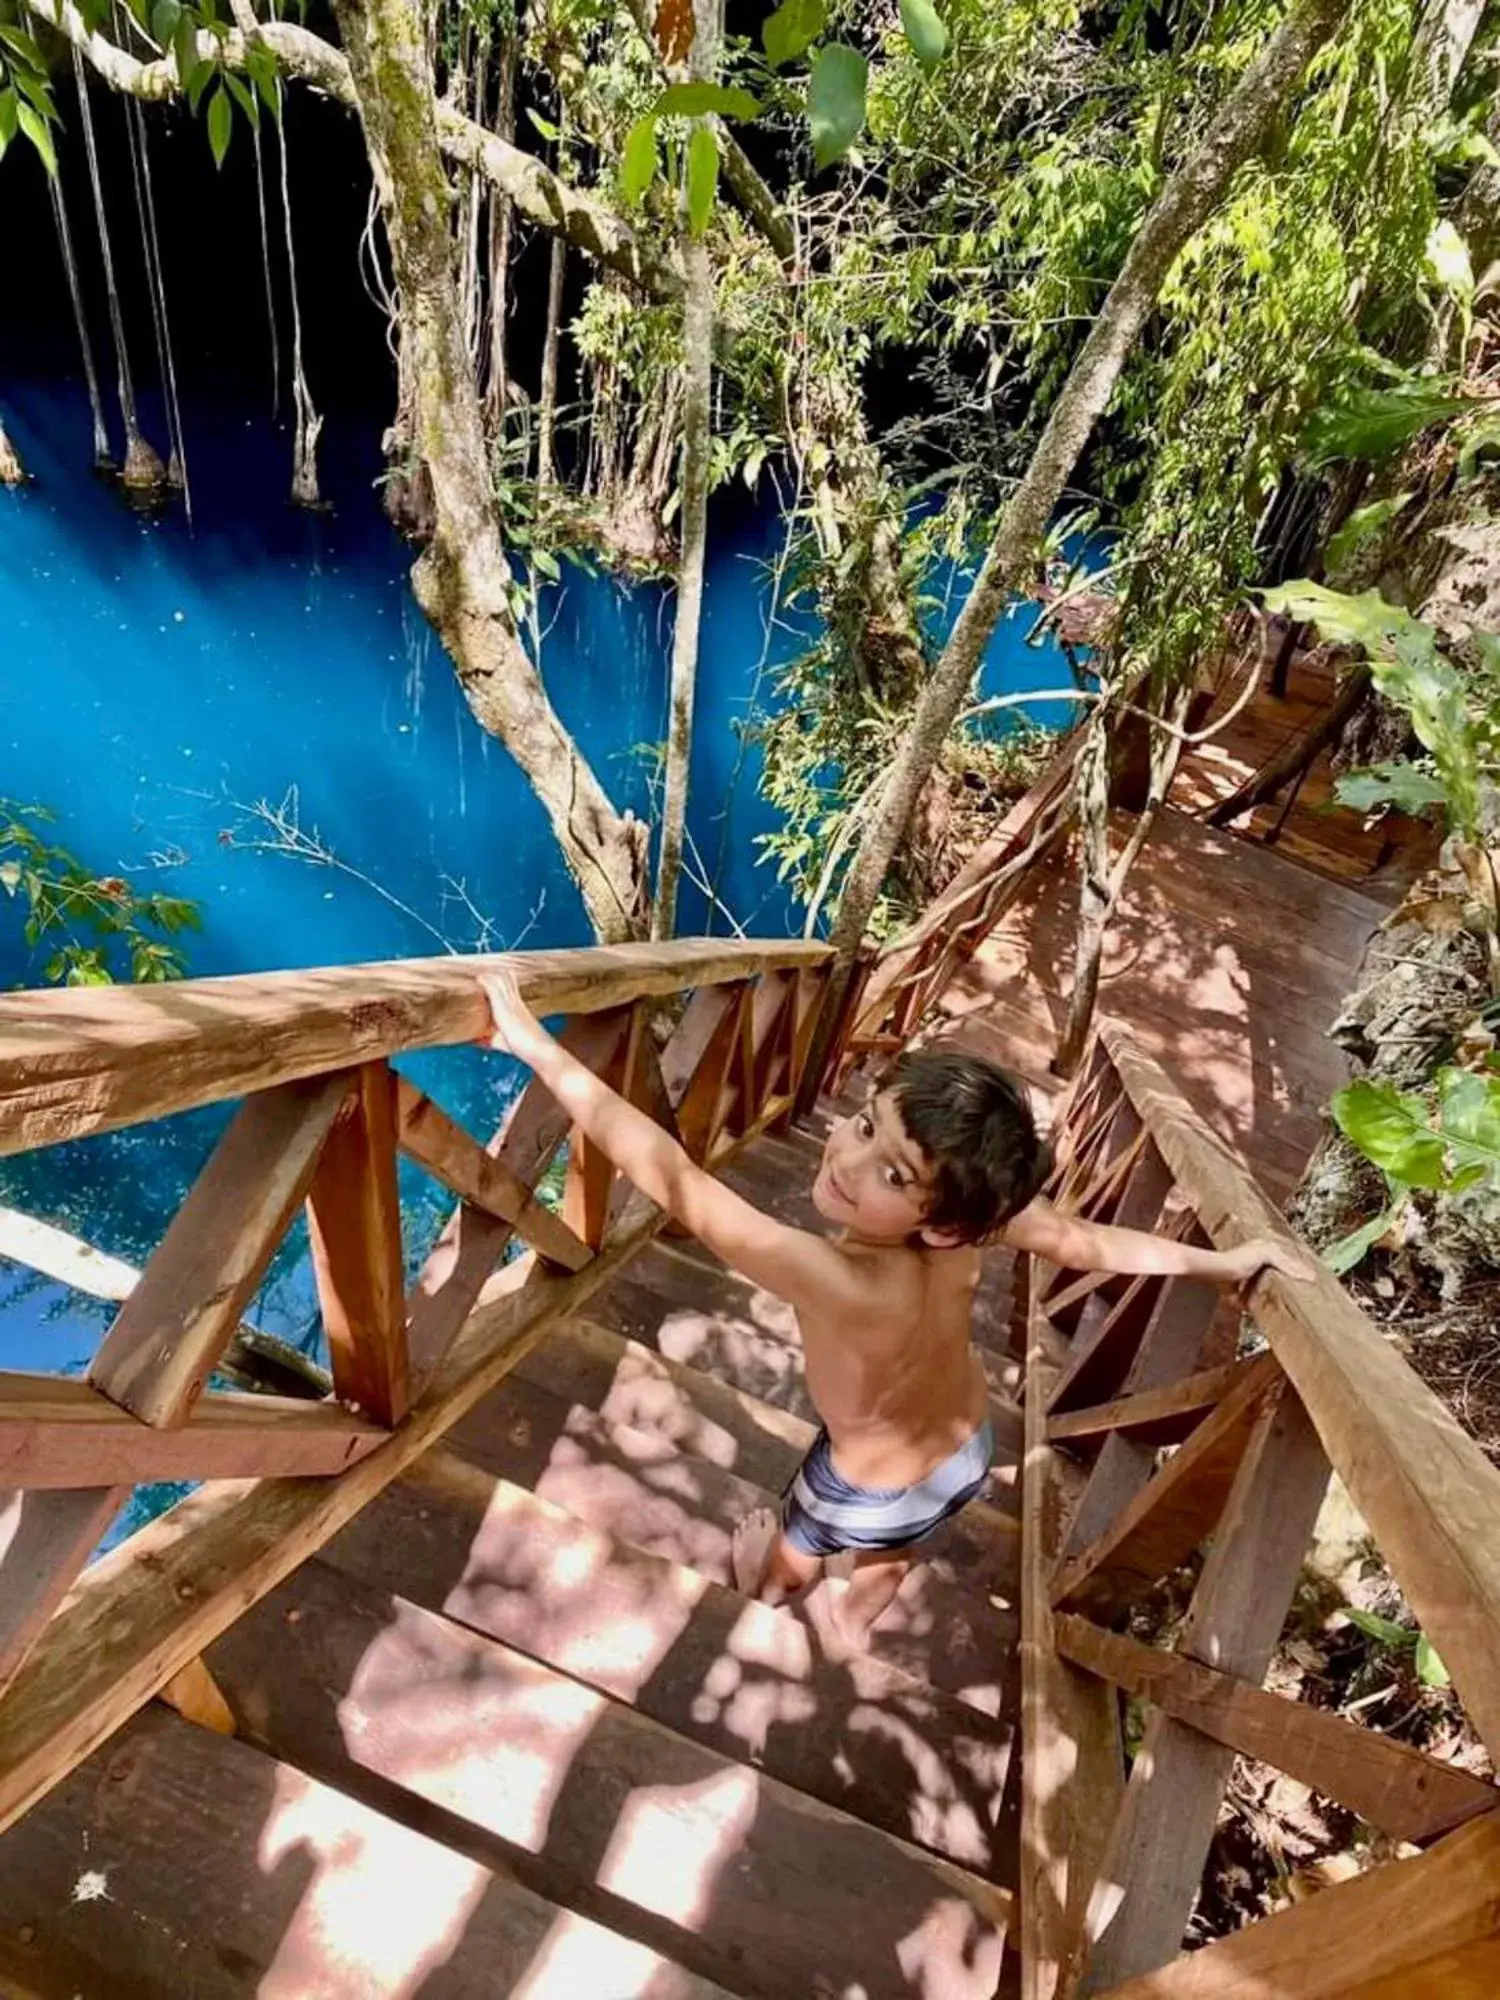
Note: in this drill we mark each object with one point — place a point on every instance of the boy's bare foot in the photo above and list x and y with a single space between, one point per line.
750 1549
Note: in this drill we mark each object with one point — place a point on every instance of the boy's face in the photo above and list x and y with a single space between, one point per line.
874 1179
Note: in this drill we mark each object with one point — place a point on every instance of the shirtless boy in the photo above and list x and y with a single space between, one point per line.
943 1158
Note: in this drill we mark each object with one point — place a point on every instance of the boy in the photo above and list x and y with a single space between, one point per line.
943 1157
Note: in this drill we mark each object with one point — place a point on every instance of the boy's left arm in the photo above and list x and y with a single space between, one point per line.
1076 1245
795 1264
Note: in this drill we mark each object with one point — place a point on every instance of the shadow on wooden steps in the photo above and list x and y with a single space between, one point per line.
512 1741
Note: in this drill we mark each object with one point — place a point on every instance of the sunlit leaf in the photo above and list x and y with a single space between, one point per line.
792 29
1430 1669
1372 424
1357 1245
698 100
1447 260
1470 1110
925 31
243 97
1391 1128
836 101
1405 786
8 117
638 160
35 128
702 177
1360 526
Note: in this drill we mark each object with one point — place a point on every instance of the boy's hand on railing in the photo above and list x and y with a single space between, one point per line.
1244 1264
514 1029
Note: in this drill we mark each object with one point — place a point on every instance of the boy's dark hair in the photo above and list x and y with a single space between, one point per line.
974 1124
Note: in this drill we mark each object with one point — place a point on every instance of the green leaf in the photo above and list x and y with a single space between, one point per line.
185 47
36 90
793 28
7 117
35 128
24 49
699 100
702 178
1372 424
1356 1246
544 125
1405 786
638 161
1447 260
243 97
1386 1630
1430 1669
164 18
220 118
261 64
836 101
1391 1128
925 31
199 77
1469 1106
1360 526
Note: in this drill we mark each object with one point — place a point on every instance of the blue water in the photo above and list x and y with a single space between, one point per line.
161 682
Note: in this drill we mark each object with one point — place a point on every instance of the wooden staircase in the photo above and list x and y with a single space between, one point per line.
512 1730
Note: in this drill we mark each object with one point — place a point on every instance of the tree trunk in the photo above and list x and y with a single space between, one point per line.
461 580
1179 211
697 439
546 416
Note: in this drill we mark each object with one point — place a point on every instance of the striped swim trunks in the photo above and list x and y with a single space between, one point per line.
823 1515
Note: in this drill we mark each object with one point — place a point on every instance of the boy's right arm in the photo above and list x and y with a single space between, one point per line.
1078 1245
796 1265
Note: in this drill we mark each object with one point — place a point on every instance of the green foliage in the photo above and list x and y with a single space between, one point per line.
1409 670
88 925
925 31
702 177
791 31
1374 424
1404 785
1397 1638
836 100
26 104
1448 1146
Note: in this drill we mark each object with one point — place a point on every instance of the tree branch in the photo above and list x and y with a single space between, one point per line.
536 191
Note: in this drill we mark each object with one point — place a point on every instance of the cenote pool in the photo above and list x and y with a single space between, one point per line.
163 685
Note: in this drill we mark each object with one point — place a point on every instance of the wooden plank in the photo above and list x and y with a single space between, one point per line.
1161 1837
57 1432
1102 1354
1154 1416
333 1674
471 1242
1072 1771
45 1539
1428 1493
1362 1939
354 1223
188 1864
591 1172
1398 1789
89 1059
447 1152
1172 1515
703 1089
157 1356
197 1697
650 1633
149 1606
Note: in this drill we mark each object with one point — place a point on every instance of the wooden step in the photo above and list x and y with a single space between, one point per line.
691 1309
177 1862
943 1627
741 1678
583 1363
714 1865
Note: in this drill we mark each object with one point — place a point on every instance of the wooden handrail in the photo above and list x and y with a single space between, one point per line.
91 1059
1110 1864
1429 1494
